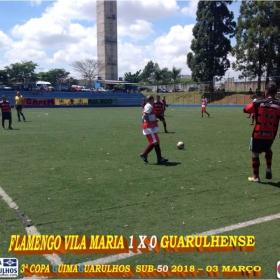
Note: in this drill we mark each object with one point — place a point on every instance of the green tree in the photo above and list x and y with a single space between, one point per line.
57 75
175 72
148 71
185 80
211 44
71 81
4 77
157 75
258 39
119 87
44 76
22 71
166 76
133 78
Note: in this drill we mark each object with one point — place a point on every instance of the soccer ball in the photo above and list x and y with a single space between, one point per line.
180 145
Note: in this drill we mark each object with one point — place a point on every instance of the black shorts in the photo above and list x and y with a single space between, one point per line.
6 116
18 107
259 145
160 117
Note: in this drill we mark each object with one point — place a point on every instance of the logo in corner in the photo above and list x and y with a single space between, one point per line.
278 269
8 267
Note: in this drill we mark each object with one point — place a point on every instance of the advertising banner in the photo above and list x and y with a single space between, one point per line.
38 102
71 101
102 101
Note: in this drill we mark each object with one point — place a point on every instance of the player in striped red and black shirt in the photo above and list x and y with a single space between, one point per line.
6 112
267 115
159 111
163 100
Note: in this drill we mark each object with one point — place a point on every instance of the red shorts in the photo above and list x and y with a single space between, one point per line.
203 109
152 138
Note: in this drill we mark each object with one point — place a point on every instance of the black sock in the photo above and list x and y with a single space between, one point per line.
268 157
158 152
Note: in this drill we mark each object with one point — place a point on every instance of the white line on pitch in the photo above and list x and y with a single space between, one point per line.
114 258
56 259
52 258
43 115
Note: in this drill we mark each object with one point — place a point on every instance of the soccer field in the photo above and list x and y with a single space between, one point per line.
77 171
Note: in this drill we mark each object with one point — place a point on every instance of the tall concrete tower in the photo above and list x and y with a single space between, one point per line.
107 38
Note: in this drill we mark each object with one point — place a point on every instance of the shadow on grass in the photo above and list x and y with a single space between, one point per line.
12 129
276 185
172 132
169 163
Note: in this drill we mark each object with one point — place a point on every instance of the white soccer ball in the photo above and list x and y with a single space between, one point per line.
180 145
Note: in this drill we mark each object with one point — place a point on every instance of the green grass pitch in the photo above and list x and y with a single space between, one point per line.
78 171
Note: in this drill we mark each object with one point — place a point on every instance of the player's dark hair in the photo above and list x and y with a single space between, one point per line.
150 97
271 88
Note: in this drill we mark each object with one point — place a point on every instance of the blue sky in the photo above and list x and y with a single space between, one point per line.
55 33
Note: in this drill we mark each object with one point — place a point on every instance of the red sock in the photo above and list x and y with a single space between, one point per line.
148 149
256 166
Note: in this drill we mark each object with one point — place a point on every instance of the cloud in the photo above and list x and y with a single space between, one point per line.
25 55
57 33
84 48
128 11
5 41
139 30
137 22
172 48
66 31
167 50
35 2
72 10
190 9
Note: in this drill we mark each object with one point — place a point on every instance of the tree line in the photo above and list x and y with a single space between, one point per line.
24 72
256 51
152 74
257 35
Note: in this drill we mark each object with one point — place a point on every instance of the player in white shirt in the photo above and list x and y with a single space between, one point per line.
150 130
203 106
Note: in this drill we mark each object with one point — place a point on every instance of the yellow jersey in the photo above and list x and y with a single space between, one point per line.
19 100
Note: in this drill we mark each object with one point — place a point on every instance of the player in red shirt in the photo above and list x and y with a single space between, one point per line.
267 115
150 130
6 112
203 106
159 111
163 100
